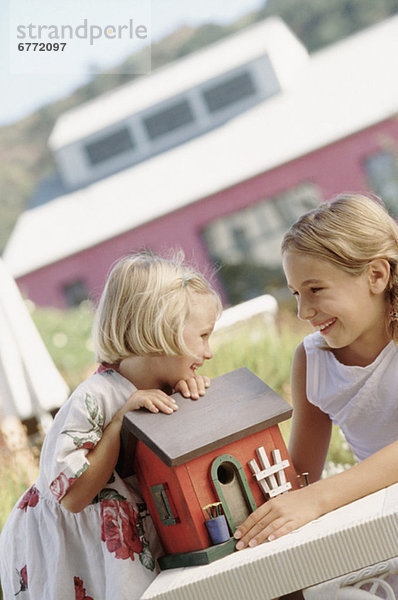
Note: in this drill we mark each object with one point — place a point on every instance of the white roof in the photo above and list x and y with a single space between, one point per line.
265 305
270 36
30 384
346 87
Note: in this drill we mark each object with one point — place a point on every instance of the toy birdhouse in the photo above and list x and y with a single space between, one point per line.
215 459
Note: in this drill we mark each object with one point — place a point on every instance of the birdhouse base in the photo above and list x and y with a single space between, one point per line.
197 557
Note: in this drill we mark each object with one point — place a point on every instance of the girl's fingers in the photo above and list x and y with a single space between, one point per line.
165 404
194 387
183 388
279 516
198 386
149 405
156 400
194 391
152 400
254 530
281 530
203 383
271 532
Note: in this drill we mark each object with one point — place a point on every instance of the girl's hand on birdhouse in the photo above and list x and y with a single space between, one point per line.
278 516
193 387
153 400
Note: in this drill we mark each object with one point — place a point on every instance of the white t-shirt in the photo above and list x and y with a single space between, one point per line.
363 401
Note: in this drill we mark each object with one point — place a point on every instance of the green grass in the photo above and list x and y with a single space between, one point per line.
16 476
265 349
67 335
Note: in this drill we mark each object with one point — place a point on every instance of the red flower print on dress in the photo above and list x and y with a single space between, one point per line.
88 445
80 592
119 528
23 580
60 485
105 369
30 498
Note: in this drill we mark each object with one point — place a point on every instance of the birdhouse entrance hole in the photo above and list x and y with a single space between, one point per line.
232 489
226 473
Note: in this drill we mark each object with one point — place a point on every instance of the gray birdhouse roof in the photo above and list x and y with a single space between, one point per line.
235 406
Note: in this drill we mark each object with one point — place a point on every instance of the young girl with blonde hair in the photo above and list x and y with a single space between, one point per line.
341 264
81 531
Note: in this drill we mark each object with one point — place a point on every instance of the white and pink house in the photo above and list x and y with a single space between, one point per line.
217 153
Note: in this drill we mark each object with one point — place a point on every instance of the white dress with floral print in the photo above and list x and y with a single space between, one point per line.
104 552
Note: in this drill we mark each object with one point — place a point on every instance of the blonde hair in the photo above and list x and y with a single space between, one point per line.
349 232
144 307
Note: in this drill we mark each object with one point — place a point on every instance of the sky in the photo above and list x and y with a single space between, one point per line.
30 80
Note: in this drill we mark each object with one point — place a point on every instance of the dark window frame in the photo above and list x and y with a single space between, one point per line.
229 91
109 146
166 120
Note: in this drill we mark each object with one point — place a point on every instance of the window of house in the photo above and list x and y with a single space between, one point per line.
161 496
110 145
75 293
168 119
246 243
382 172
229 91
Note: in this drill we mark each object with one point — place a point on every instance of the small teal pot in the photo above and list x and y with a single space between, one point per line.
218 529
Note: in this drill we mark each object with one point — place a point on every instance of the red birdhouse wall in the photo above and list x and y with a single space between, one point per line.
188 487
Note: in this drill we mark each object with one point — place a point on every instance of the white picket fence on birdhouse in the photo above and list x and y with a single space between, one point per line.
270 478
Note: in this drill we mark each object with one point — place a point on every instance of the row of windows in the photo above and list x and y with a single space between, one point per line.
176 116
253 232
115 143
246 243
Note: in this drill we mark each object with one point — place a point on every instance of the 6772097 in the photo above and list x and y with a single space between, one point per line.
41 46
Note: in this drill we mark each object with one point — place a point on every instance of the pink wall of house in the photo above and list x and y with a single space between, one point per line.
335 168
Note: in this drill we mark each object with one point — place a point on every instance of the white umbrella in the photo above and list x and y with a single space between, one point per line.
30 384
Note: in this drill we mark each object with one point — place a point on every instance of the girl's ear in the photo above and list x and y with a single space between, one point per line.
378 275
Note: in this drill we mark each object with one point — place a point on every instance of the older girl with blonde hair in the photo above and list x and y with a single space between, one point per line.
82 531
341 264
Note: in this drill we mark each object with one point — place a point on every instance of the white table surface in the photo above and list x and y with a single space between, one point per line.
360 534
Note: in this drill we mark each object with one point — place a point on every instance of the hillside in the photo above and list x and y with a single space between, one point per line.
24 156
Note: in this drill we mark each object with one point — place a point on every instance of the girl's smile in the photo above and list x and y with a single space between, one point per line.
325 327
163 372
348 311
197 332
